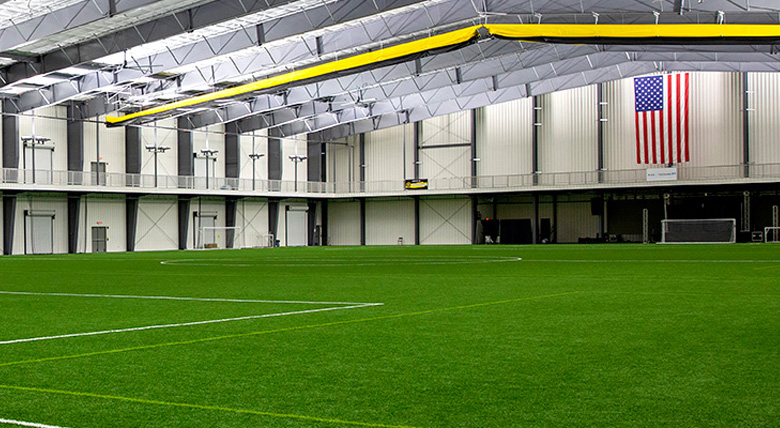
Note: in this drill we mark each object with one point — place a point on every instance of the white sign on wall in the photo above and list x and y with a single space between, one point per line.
662 174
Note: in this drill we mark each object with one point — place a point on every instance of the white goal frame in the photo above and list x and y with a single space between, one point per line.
733 222
776 231
265 240
238 237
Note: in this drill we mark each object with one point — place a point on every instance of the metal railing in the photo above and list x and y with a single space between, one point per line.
19 178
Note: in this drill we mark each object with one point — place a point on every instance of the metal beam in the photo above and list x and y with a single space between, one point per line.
75 139
74 206
10 134
184 149
232 151
746 123
184 220
9 222
131 215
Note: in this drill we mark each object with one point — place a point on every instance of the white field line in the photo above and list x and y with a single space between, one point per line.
151 327
26 424
652 261
193 299
334 262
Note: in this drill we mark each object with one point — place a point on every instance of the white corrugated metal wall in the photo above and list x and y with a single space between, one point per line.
575 219
252 218
343 222
158 224
167 163
568 134
249 145
49 123
103 211
764 105
215 141
111 146
445 221
504 138
448 162
385 154
388 220
295 145
46 202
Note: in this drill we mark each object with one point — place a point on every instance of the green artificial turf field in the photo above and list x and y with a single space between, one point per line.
489 336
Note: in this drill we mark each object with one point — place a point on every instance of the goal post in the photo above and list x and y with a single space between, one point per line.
772 235
699 231
216 237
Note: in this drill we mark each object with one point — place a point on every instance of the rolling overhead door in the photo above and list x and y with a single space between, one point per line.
38 232
296 220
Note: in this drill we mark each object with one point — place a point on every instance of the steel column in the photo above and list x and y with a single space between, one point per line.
9 221
231 209
273 218
184 220
131 211
232 150
10 136
74 206
746 124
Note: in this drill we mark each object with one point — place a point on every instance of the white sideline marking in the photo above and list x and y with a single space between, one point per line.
333 262
151 327
654 261
26 424
194 299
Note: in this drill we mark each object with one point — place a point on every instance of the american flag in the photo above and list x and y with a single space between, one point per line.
663 119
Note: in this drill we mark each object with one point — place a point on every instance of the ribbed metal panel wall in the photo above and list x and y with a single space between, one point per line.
388 220
619 128
49 123
157 227
55 203
575 221
385 153
295 145
568 135
342 162
454 128
445 221
103 211
166 136
112 146
764 104
252 218
716 119
260 143
216 141
504 138
343 223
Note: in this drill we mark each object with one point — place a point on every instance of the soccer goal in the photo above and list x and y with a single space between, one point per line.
264 240
210 238
772 235
699 231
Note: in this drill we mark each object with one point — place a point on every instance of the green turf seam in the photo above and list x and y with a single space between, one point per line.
280 330
200 407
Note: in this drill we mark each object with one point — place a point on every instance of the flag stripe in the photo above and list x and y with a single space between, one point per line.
644 119
661 135
671 127
652 125
679 130
663 128
638 152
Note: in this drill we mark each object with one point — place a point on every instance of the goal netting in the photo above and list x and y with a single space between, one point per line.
211 238
263 240
699 231
772 235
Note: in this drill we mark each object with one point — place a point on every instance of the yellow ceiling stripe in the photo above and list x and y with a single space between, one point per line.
393 52
511 31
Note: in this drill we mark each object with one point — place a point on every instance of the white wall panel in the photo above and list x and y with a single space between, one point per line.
295 145
575 221
342 162
1 215
204 205
385 154
212 138
716 119
343 223
103 211
111 147
568 135
619 129
249 145
445 221
49 123
167 163
158 224
252 218
386 221
504 138
56 203
764 102
454 128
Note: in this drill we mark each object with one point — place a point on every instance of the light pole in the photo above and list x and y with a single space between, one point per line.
296 160
209 154
156 149
255 157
